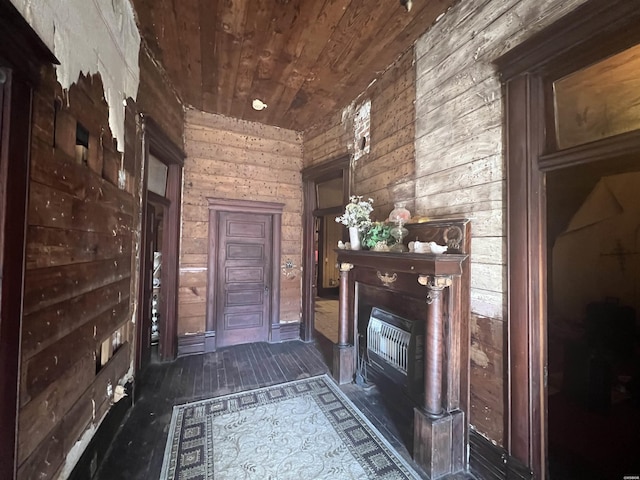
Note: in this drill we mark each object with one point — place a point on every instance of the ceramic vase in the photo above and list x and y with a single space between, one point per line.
354 238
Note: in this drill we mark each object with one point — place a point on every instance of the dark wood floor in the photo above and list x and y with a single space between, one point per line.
138 449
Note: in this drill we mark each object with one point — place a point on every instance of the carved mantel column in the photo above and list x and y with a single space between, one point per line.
343 352
434 343
343 318
437 447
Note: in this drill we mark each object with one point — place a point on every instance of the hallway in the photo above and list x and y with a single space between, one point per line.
138 448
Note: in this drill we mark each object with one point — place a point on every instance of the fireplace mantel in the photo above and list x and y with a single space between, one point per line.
410 263
440 282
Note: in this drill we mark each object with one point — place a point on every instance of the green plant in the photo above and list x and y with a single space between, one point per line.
378 232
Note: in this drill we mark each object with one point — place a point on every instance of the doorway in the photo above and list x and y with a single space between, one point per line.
328 233
593 225
157 320
530 73
326 190
243 280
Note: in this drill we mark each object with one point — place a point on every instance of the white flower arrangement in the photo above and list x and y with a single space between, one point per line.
357 213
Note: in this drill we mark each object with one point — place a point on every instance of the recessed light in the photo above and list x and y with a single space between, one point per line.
258 104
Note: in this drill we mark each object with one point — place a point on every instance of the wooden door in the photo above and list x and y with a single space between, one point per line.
244 275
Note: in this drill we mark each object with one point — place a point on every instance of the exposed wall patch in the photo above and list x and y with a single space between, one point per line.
91 37
362 130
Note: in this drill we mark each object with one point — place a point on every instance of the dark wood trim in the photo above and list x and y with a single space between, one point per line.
572 42
217 205
142 288
161 146
157 199
154 141
492 462
593 31
209 341
605 149
21 48
22 53
191 344
331 169
326 170
212 280
527 269
274 333
14 187
276 248
244 206
170 262
289 331
321 212
308 261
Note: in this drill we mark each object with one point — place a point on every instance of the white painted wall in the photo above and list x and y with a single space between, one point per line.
91 36
460 166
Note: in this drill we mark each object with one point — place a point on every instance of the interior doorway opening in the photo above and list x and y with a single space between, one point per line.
156 336
535 147
157 208
327 235
326 190
593 393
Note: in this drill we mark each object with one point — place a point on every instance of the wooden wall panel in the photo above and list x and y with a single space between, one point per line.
78 283
48 456
460 165
233 159
387 172
488 337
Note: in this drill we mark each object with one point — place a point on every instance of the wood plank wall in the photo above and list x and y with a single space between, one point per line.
460 165
81 262
386 173
235 159
78 275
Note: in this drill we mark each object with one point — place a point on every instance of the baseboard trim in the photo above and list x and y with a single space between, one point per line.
206 342
492 462
289 331
95 453
191 344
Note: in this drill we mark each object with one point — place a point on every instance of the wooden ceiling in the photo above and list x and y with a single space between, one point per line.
303 58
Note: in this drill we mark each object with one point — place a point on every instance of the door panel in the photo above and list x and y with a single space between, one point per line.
244 272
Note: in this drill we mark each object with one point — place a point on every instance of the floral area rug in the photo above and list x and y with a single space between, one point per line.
302 430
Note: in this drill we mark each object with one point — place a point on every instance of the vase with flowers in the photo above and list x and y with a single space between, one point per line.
356 216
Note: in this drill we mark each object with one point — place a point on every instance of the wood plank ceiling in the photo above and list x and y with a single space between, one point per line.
303 58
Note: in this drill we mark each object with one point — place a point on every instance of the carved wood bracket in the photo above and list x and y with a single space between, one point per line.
346 267
435 284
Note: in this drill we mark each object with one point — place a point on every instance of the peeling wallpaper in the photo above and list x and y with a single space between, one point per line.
91 36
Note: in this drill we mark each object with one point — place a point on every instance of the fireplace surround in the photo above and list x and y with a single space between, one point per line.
429 288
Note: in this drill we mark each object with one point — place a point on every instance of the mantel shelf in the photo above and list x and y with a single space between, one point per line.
415 263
